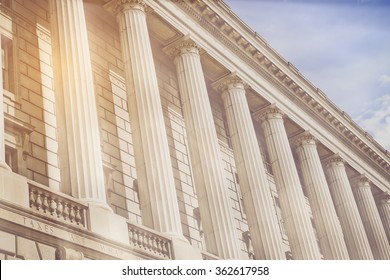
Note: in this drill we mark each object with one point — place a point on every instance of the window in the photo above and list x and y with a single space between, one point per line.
11 158
7 63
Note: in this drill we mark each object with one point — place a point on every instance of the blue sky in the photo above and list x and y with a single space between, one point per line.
342 47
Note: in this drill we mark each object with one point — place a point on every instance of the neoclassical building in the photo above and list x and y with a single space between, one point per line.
155 129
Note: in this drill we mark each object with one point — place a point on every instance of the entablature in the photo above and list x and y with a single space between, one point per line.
217 18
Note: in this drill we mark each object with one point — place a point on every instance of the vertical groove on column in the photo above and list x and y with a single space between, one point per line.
371 220
81 118
384 212
299 229
324 214
261 215
206 161
154 168
2 134
347 211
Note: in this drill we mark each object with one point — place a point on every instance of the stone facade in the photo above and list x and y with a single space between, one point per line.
139 129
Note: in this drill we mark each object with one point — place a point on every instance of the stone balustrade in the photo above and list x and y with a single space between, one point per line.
146 241
57 205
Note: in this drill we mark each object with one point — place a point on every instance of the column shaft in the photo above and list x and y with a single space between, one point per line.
384 212
2 131
206 161
255 190
156 183
77 97
299 229
371 219
347 211
324 214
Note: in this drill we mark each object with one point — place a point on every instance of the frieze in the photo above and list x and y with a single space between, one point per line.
64 233
227 35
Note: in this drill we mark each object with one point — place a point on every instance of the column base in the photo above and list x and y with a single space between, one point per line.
183 250
13 187
102 220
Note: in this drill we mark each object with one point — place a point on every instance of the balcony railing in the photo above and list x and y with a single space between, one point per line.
146 241
57 205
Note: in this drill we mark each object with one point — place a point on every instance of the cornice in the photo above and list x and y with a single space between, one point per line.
255 51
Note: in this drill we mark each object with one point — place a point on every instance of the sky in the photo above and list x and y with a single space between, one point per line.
341 46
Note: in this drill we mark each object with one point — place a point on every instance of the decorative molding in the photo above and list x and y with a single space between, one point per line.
313 98
360 181
117 6
304 138
269 112
383 198
184 44
334 160
230 81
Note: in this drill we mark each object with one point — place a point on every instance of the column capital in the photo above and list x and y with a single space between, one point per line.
334 161
360 181
231 81
270 112
117 6
303 139
383 198
183 45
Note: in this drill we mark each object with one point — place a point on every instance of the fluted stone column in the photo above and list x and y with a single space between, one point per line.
206 161
324 214
76 95
370 217
3 164
299 229
383 202
159 205
354 235
255 190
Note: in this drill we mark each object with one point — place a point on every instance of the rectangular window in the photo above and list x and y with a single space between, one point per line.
11 158
7 63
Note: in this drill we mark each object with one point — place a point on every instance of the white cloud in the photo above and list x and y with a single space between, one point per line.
377 120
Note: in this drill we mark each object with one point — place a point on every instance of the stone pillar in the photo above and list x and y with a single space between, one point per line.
324 214
299 229
383 202
206 161
3 165
354 235
255 190
370 217
76 95
156 184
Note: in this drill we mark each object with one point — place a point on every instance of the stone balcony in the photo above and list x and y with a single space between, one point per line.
59 220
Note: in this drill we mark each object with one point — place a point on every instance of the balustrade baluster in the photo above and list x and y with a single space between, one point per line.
52 206
38 201
59 208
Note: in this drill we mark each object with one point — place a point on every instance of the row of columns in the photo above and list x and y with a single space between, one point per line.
156 182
